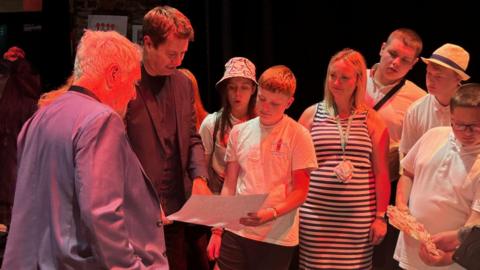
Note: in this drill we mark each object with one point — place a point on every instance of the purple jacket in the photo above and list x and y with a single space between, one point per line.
82 201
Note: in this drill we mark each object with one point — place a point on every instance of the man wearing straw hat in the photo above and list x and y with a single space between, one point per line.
446 69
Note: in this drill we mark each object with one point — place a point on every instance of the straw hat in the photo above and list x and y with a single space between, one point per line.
452 57
238 67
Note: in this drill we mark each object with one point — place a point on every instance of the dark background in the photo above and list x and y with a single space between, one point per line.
300 34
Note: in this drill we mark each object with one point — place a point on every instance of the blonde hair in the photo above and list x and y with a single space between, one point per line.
278 79
49 97
355 60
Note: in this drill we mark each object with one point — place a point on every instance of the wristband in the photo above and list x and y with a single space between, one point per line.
382 217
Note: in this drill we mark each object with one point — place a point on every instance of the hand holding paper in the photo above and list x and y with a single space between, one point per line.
218 211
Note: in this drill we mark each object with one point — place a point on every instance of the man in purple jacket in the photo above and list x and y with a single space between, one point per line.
82 200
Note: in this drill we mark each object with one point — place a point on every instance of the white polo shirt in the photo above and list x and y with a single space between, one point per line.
424 114
446 188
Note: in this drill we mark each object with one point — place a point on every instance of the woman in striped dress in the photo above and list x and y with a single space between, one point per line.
343 216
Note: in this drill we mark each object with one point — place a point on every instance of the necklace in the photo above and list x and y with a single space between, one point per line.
344 170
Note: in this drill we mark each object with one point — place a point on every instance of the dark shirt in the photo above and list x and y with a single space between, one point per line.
167 186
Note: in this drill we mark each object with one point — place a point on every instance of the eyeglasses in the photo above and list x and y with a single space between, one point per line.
461 127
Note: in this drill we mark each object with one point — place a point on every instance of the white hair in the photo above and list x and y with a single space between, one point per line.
99 49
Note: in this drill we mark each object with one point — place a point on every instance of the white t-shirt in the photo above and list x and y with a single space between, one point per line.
446 188
394 110
424 114
206 132
267 156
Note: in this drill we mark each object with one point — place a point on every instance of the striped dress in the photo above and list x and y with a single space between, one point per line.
336 217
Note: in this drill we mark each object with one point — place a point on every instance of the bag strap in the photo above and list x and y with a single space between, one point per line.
389 95
215 132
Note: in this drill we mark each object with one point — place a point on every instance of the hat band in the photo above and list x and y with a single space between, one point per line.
447 61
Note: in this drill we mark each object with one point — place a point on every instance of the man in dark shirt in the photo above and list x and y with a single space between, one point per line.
161 124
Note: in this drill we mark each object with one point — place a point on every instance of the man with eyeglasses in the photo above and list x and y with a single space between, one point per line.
440 184
390 94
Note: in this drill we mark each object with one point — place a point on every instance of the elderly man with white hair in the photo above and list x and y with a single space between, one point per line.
81 199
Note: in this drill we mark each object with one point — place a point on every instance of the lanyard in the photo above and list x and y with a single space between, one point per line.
344 137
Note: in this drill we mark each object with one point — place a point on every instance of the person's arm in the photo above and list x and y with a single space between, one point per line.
301 180
408 132
229 189
404 187
206 133
99 185
443 258
380 146
197 165
306 119
447 243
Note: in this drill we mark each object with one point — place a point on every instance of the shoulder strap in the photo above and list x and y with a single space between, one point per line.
215 132
389 95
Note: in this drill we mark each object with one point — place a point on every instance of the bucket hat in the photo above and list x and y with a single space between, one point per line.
238 67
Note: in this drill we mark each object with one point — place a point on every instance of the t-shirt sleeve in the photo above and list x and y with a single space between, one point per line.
408 132
206 132
231 151
475 174
408 162
303 155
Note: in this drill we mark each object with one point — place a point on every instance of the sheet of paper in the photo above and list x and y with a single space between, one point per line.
216 210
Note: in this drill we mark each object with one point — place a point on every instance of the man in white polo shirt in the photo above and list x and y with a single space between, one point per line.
440 185
391 94
388 92
446 69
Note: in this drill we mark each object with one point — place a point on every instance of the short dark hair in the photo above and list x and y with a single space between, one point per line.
162 21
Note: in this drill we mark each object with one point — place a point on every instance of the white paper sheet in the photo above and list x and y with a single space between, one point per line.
216 210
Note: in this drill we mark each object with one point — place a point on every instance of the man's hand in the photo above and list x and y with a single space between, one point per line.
378 230
200 187
442 259
164 219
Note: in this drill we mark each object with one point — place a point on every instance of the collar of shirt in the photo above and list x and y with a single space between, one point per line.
463 150
377 86
439 107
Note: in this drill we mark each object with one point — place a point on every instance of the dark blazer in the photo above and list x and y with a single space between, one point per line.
143 128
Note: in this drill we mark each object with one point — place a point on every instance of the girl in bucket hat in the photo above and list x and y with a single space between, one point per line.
237 89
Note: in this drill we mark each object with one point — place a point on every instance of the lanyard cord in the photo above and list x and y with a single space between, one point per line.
344 137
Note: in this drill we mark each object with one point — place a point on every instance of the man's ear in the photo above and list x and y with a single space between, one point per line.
147 41
112 75
384 44
290 101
